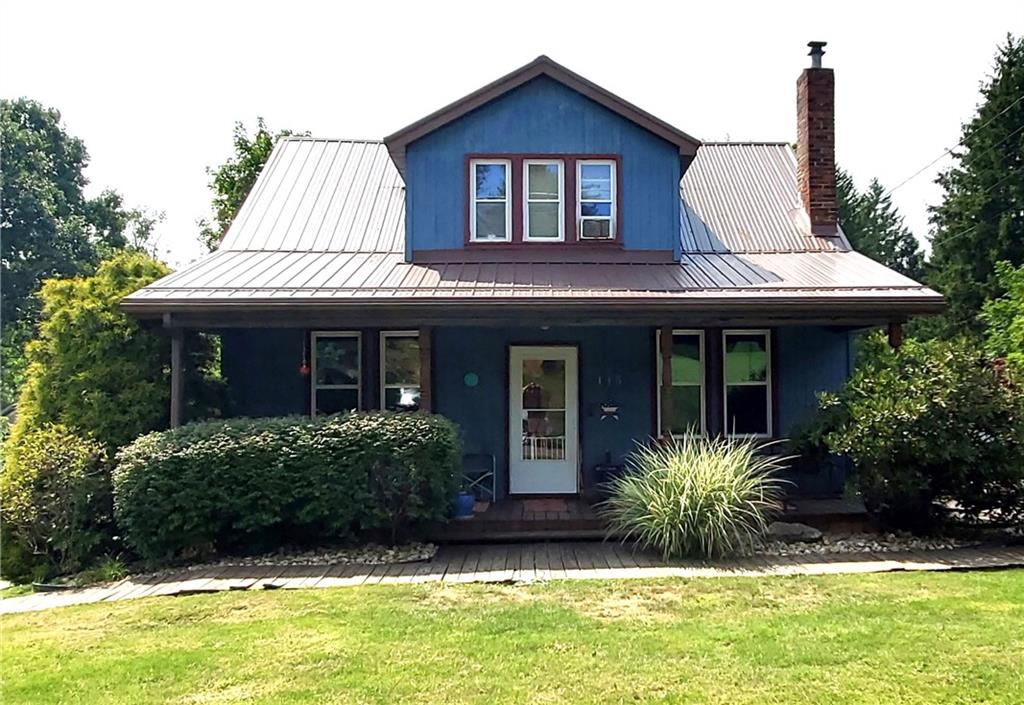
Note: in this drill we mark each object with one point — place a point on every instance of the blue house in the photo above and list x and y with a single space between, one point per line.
553 268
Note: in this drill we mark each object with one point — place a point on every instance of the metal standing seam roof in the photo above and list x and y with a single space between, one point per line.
742 197
325 222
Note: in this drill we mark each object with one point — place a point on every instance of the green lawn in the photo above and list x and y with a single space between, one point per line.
890 638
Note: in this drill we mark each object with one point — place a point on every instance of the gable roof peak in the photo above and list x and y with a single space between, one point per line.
543 65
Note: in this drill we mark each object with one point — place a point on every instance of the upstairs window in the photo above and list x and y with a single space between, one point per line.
544 200
747 372
490 207
595 199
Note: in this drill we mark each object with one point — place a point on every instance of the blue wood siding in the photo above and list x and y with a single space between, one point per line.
541 116
811 360
614 365
261 368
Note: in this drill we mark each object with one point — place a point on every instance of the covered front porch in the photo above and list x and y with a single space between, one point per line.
546 409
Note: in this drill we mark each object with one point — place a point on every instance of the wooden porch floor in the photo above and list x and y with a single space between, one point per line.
573 518
524 519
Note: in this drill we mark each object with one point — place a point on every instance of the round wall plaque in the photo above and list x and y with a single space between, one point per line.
471 379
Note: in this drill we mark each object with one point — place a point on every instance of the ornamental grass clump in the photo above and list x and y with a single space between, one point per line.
695 497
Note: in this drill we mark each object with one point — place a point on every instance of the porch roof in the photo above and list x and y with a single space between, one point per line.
325 223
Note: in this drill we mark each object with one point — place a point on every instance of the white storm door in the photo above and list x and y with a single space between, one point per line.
543 423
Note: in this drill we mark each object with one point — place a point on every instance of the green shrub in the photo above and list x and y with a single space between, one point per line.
97 370
927 426
254 484
694 496
56 503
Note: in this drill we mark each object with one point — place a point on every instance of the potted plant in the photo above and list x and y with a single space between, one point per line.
464 503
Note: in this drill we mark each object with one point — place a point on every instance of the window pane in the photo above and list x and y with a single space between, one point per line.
597 228
686 367
686 410
490 221
337 361
333 401
595 181
596 209
543 220
543 181
401 361
543 384
544 435
746 358
490 181
746 410
402 398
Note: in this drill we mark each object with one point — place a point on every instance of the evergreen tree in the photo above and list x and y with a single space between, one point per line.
981 219
875 228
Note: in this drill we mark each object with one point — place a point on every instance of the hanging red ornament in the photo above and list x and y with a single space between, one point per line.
304 367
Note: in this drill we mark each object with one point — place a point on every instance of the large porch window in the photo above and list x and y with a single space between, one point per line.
400 370
688 397
747 377
336 372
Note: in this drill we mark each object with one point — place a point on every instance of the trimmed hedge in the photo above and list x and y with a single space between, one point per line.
255 484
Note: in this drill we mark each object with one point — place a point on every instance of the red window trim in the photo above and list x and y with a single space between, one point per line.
516 184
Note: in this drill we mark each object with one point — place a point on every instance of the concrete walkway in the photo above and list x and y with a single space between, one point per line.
512 563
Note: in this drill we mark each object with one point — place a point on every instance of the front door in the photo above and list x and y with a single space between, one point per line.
543 424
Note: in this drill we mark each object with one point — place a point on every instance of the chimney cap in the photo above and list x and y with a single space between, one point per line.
816 52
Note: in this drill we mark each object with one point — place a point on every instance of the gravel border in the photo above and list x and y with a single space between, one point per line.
833 543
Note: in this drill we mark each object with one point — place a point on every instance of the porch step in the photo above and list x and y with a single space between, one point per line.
531 520
829 514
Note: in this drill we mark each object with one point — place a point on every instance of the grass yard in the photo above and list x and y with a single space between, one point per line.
889 638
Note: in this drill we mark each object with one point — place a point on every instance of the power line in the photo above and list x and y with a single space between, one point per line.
958 144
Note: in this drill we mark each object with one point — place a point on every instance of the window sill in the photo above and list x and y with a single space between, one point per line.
541 245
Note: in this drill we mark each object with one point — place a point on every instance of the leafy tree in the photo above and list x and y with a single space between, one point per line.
1004 317
48 228
875 228
97 371
233 179
981 219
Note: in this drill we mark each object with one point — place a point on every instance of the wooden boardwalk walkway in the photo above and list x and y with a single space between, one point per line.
513 563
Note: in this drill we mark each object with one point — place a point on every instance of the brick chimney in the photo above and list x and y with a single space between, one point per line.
816 142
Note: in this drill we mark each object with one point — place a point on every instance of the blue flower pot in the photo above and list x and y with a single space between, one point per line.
464 502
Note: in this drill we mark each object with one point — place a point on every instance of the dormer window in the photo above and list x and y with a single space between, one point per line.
544 200
595 201
490 210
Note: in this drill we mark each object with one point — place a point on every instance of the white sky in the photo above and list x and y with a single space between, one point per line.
154 89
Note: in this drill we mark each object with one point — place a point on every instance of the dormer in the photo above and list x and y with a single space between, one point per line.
543 161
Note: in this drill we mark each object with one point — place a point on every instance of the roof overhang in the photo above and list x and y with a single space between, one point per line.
776 308
541 66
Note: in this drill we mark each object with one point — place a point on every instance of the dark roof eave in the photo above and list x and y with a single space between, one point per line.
885 307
